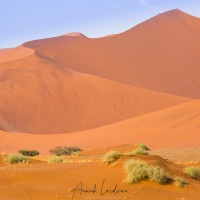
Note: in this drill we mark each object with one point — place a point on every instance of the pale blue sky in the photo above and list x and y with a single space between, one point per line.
24 20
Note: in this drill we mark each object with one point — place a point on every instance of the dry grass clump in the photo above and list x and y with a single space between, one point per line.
179 182
193 172
143 146
157 175
136 171
77 154
110 157
16 158
139 170
138 151
56 159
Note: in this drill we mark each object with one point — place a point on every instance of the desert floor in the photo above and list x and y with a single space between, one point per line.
39 180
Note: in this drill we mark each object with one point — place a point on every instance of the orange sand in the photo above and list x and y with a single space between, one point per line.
39 180
104 91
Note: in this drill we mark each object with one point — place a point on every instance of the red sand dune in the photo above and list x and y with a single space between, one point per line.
74 34
73 83
39 95
175 127
159 54
3 50
7 55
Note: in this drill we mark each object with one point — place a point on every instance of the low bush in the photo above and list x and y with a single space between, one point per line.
56 159
64 150
193 172
142 146
16 158
138 151
136 171
157 175
139 170
110 157
179 182
29 152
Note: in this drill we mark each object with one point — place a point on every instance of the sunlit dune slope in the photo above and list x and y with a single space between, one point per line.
7 55
40 95
175 127
159 54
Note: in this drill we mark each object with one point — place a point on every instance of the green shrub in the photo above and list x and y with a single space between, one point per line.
193 172
139 170
56 159
64 150
29 152
136 171
179 182
157 175
16 158
142 146
138 151
110 157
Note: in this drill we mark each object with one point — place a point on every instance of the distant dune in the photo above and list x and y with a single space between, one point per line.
142 85
40 95
160 54
176 127
19 52
74 34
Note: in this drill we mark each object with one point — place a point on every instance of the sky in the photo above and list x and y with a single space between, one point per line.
25 20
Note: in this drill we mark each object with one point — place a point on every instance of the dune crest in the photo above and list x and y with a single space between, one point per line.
7 55
74 34
41 95
106 91
159 54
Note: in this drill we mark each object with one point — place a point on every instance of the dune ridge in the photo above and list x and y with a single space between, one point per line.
7 55
159 54
137 86
41 95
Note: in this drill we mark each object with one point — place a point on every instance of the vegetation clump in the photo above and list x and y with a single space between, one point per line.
193 172
157 175
64 150
138 151
136 171
143 146
111 157
139 170
56 159
16 158
179 182
29 152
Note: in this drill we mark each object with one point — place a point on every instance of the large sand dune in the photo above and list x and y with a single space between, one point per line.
159 54
7 55
176 127
40 95
137 86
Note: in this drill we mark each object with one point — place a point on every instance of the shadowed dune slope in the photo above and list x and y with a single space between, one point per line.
176 127
159 54
40 95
